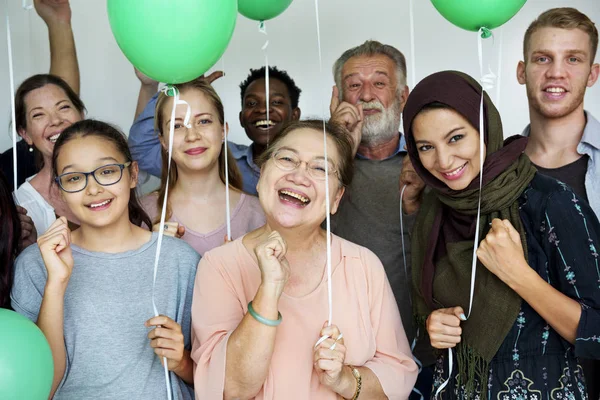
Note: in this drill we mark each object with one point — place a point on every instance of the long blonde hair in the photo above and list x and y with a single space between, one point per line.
235 177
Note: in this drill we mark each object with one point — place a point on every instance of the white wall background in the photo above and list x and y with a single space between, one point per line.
109 87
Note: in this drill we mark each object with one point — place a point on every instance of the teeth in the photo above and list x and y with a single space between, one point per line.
264 123
454 172
100 204
54 138
555 90
296 196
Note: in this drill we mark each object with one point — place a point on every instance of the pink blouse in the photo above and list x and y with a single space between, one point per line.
364 309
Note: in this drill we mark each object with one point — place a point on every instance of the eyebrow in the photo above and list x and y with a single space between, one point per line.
256 95
100 159
445 136
57 104
376 73
570 51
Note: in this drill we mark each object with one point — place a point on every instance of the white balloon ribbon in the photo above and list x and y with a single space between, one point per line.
11 78
226 149
169 91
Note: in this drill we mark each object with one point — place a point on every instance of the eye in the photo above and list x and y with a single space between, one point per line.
542 59
178 125
65 107
354 85
277 102
37 115
250 103
425 147
107 171
380 84
456 138
573 60
74 179
204 121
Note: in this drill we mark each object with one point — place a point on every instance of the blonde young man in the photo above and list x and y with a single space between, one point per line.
564 139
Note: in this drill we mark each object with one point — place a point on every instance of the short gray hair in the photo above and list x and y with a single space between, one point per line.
372 48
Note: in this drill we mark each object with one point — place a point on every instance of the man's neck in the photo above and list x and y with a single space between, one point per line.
380 151
553 141
257 151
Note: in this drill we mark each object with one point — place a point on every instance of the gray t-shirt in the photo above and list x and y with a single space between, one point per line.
369 215
108 299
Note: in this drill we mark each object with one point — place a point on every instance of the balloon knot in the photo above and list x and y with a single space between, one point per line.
485 32
170 90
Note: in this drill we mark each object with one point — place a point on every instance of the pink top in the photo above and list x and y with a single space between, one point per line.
247 216
364 309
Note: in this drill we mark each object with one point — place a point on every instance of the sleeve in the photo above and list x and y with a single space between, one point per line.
29 281
143 140
393 363
216 313
570 237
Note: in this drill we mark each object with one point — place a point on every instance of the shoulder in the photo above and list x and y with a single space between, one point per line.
543 188
368 260
184 253
148 203
29 266
30 255
237 150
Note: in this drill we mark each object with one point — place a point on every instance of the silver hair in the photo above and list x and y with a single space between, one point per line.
371 48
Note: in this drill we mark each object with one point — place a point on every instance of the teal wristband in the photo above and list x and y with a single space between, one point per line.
263 320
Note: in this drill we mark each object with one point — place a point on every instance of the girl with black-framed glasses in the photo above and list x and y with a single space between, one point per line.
90 290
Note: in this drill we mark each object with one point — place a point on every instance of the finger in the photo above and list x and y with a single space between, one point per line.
164 321
359 109
332 331
443 345
335 100
329 365
170 354
460 313
21 210
180 231
497 226
512 232
214 76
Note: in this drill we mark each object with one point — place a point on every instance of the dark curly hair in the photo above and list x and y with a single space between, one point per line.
274 73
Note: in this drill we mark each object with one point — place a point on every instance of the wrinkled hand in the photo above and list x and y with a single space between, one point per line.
56 251
167 341
501 252
274 267
53 11
443 326
28 231
411 200
328 363
347 115
172 229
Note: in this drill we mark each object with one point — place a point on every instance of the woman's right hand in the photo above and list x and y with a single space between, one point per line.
443 326
274 267
172 229
55 246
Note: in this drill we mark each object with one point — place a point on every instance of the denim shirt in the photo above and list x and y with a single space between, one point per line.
589 145
145 149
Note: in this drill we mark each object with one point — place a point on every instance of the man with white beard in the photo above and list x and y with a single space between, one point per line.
368 98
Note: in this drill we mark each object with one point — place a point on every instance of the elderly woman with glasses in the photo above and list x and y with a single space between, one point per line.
260 309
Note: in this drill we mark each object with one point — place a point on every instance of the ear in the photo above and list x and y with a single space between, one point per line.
404 97
296 114
241 121
521 78
163 142
593 75
338 198
23 133
134 170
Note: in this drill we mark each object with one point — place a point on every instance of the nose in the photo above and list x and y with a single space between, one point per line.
55 118
556 70
93 187
300 175
262 108
192 134
366 93
443 159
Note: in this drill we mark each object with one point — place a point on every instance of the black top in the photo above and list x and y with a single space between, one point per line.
26 164
572 174
534 361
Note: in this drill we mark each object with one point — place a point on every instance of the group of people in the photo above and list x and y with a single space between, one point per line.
247 314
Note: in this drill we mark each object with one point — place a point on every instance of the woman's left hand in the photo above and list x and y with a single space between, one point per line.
502 251
167 341
328 362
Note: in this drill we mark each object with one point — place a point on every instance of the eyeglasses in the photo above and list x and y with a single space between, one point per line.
288 160
106 175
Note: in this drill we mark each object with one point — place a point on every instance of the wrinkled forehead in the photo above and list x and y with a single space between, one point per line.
46 96
308 144
367 67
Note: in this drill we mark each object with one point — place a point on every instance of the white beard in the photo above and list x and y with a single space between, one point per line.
383 126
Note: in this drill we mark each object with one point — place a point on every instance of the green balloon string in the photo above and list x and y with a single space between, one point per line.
485 32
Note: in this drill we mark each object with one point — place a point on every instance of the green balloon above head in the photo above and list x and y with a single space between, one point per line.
262 10
473 15
172 41
26 366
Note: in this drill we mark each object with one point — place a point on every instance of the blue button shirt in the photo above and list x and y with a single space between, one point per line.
146 149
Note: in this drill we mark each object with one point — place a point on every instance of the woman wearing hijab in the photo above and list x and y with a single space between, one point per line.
533 312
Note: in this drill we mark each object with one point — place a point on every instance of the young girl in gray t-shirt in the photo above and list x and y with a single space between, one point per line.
91 290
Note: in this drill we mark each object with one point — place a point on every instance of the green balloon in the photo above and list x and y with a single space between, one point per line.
262 10
26 366
475 14
172 41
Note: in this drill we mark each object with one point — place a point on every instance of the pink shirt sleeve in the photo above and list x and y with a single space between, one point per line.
393 363
216 312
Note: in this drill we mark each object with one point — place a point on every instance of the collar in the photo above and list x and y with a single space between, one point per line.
401 149
239 151
591 132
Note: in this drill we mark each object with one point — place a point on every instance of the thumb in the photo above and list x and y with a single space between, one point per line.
459 312
359 107
512 232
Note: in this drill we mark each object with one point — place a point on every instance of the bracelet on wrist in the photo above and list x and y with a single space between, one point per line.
263 320
358 378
